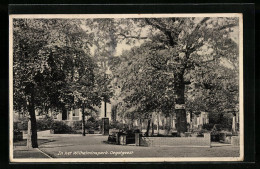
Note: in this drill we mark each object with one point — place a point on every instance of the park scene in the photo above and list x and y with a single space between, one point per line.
131 87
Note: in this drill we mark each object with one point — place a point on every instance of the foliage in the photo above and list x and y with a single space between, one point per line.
118 125
89 124
52 67
180 51
15 127
143 89
50 53
191 61
45 123
77 125
223 119
208 126
60 127
22 123
91 119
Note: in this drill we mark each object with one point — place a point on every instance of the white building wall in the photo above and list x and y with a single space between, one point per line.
59 116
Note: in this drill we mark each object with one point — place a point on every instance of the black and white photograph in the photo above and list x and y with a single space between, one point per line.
126 87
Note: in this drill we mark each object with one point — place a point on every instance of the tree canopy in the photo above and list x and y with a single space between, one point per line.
192 52
191 61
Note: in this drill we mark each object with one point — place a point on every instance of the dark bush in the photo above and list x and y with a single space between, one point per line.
201 133
208 126
60 127
77 125
165 127
214 136
44 124
118 125
90 125
137 131
161 127
91 119
22 124
15 127
217 127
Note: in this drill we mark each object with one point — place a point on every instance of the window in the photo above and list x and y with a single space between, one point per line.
75 114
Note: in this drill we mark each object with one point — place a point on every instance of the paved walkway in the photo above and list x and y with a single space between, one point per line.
24 152
94 146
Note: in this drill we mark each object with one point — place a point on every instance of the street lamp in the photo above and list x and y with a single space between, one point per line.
107 73
235 119
105 120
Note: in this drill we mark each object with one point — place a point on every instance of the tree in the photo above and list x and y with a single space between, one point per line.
143 89
43 52
181 46
216 92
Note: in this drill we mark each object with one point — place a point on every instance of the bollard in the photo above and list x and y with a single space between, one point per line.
207 137
137 139
117 138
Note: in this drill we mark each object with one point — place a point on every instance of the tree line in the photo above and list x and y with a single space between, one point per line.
171 61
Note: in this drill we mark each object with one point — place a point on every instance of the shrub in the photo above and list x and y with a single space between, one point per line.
77 125
208 126
161 127
22 124
98 123
60 127
90 125
15 127
91 119
116 125
167 128
44 124
201 132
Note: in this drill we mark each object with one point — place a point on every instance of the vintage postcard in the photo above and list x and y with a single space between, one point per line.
126 87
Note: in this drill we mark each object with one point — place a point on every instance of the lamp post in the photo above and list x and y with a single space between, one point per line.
105 99
83 119
235 120
105 120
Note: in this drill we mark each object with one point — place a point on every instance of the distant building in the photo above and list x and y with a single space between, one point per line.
197 119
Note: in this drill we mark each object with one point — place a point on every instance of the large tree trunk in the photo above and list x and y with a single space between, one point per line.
105 109
168 125
148 127
64 114
83 120
33 120
158 123
181 120
152 128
